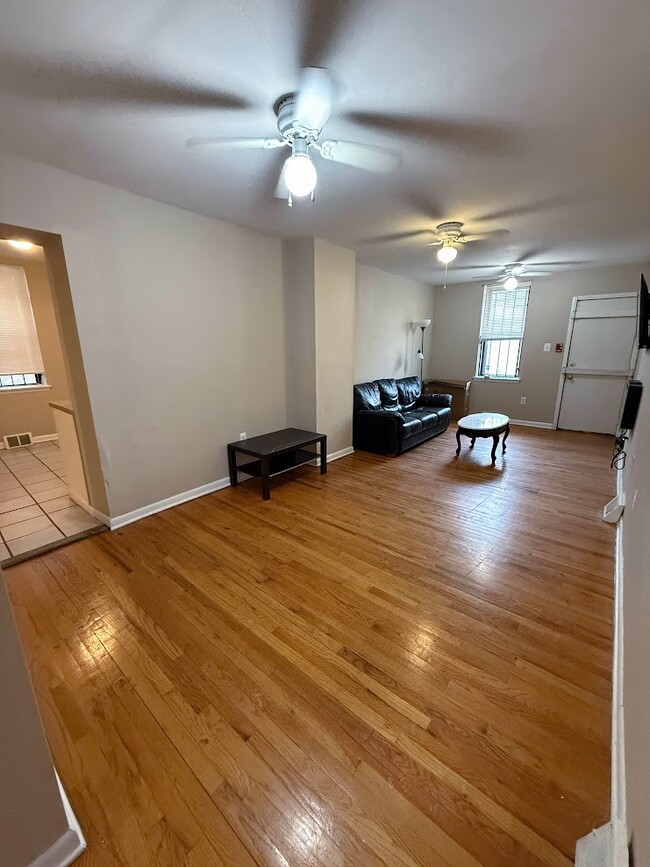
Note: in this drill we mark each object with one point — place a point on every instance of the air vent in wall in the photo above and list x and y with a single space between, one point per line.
15 441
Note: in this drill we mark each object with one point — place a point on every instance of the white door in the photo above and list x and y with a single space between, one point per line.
598 362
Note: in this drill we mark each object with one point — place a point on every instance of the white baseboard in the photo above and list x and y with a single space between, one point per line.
595 848
619 841
69 846
90 509
547 425
177 499
161 505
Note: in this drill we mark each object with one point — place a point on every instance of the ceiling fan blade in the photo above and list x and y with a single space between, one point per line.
315 98
564 264
237 144
101 83
484 237
324 23
458 133
281 188
361 156
402 238
527 273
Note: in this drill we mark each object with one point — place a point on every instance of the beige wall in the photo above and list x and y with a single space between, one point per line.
455 338
23 411
32 817
300 326
385 344
180 319
636 623
334 269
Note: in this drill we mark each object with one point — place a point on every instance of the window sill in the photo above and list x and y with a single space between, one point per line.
12 389
498 378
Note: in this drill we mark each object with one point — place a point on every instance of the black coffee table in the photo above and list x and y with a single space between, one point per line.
276 453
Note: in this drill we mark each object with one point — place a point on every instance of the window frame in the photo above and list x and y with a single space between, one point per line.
481 354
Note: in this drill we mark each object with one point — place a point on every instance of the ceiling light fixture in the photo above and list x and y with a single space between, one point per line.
510 283
299 171
447 253
20 245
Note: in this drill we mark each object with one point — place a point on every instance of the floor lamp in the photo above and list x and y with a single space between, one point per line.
423 324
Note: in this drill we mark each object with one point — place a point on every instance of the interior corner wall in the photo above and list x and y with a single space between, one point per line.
636 622
181 325
32 818
456 328
300 324
385 344
335 286
29 411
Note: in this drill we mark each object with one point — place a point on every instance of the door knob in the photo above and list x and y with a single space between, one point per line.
569 376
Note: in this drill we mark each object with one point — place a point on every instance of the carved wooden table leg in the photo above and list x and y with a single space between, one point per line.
458 441
471 445
495 443
505 437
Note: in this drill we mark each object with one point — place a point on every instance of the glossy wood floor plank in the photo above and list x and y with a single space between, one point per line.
404 662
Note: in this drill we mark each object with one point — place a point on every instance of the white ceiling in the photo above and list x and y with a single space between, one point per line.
522 115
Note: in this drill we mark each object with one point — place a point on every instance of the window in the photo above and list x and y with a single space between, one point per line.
21 364
503 321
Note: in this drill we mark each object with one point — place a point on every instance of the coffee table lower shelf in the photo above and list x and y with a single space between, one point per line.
279 463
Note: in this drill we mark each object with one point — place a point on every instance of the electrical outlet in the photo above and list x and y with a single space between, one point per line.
242 435
547 347
523 401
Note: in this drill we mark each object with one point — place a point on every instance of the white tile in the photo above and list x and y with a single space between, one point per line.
56 504
31 478
36 487
17 515
50 494
9 484
74 520
35 540
26 528
16 503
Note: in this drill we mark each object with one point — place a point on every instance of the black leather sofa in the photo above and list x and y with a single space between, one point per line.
392 415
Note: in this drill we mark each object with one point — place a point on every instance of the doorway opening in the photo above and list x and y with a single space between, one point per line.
51 485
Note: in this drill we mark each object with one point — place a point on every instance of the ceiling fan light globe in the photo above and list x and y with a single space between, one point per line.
446 255
511 283
300 175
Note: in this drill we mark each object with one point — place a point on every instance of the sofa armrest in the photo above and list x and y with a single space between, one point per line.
435 400
377 431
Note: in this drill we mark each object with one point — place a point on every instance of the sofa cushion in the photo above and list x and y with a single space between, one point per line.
411 424
366 396
443 413
409 390
388 394
427 417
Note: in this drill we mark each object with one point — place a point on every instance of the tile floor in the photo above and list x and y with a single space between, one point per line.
35 508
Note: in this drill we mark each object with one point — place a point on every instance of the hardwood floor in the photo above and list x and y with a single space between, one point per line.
404 662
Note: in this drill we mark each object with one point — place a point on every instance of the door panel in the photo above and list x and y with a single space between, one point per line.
602 344
592 403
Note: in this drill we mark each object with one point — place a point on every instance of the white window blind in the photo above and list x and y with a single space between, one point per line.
504 313
19 348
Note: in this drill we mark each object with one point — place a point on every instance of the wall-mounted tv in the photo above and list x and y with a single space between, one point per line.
644 315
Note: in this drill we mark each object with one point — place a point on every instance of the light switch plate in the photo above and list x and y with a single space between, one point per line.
547 347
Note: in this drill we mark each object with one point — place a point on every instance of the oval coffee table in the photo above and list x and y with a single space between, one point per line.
484 424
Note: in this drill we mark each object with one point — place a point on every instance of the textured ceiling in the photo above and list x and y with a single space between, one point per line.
519 115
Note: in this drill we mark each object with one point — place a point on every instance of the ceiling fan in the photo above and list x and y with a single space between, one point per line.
513 272
448 236
301 117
